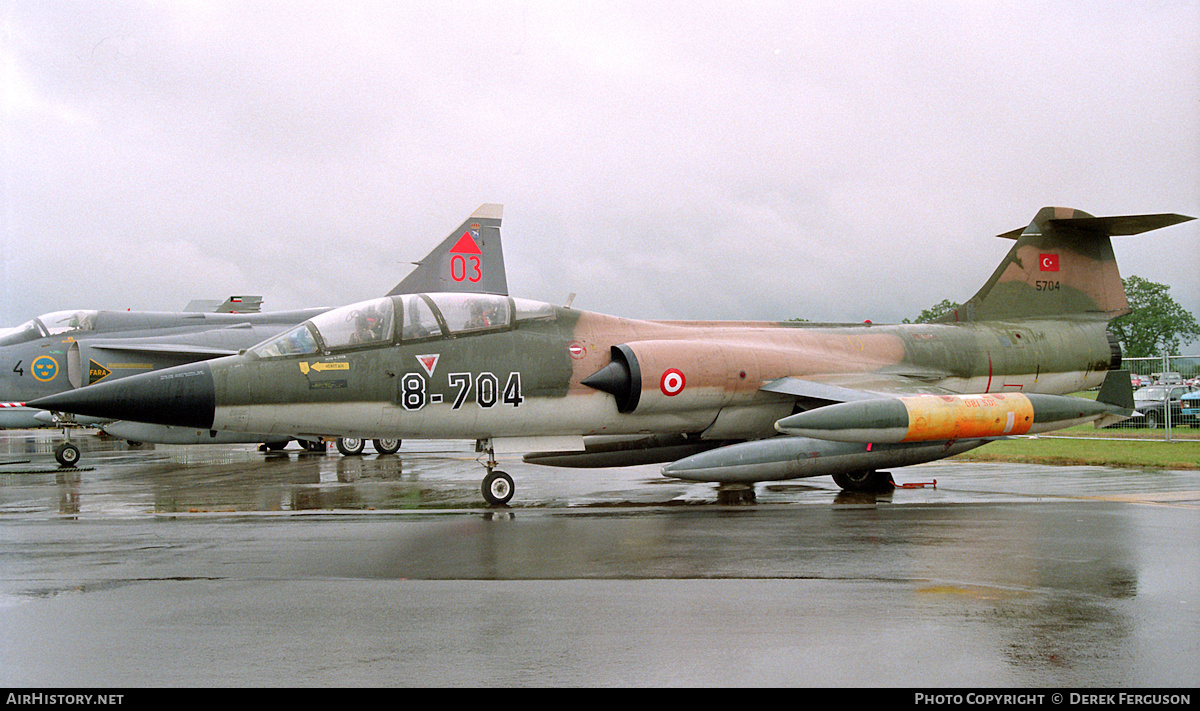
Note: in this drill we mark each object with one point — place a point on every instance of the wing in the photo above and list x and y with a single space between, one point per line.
176 351
818 390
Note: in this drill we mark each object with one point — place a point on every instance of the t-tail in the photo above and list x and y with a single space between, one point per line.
469 260
1061 265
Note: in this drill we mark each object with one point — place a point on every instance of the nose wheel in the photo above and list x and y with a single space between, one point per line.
67 454
497 487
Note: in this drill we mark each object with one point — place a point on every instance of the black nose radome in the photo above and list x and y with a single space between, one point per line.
183 396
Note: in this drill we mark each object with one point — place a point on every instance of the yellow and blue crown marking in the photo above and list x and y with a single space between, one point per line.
45 368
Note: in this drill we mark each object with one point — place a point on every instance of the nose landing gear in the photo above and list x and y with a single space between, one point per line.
497 487
67 454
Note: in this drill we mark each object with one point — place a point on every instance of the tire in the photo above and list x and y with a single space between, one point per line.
497 488
1152 419
386 446
67 454
350 446
864 481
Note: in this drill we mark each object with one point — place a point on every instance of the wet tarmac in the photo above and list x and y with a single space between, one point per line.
224 566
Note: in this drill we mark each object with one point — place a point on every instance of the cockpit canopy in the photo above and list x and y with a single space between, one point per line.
404 318
50 324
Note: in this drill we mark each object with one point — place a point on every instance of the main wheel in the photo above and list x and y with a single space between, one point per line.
864 481
386 446
350 445
497 488
67 454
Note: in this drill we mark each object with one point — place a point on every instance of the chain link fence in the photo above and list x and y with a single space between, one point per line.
1166 395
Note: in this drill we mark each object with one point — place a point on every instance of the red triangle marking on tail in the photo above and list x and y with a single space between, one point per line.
466 245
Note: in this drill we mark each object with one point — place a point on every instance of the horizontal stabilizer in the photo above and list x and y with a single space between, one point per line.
1062 265
1117 226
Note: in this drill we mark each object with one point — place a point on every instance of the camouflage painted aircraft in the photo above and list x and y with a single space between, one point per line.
65 350
727 402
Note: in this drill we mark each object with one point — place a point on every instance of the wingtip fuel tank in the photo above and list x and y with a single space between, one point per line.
932 418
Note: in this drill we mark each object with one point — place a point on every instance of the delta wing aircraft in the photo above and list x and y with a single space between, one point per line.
69 349
65 350
726 402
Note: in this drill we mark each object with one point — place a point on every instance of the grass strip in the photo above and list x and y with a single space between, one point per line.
1100 450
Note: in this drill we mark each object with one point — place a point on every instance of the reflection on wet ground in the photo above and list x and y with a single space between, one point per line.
182 565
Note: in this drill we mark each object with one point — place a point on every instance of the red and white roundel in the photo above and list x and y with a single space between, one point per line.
672 382
576 349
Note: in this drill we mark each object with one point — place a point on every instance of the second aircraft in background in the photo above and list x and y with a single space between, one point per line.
65 350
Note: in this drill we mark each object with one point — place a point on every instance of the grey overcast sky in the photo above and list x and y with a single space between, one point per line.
765 160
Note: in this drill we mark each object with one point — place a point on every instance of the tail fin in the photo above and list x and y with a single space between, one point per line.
232 305
1062 264
469 260
241 305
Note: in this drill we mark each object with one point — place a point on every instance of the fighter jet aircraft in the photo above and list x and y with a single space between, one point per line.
70 349
726 402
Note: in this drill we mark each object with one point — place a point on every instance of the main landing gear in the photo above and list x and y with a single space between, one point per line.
866 481
352 445
497 487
